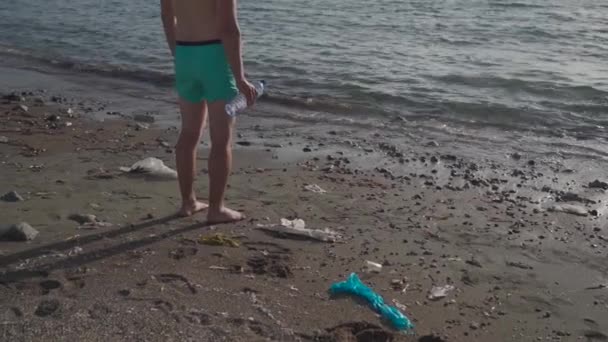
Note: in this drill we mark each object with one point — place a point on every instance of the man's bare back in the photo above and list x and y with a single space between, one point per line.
196 20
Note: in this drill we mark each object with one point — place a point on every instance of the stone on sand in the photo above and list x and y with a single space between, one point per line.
11 196
17 232
3 139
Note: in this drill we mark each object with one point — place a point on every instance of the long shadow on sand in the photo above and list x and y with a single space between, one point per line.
81 259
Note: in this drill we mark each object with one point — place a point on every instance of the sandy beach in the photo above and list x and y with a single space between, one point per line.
521 240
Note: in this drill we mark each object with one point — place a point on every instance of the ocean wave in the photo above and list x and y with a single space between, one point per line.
543 88
515 5
105 70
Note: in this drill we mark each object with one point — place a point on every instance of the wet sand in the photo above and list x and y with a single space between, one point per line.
431 214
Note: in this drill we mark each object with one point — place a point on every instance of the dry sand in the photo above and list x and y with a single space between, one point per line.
520 271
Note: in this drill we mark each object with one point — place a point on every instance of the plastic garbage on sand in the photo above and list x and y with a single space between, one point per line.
372 267
438 292
219 240
298 227
315 188
152 167
354 286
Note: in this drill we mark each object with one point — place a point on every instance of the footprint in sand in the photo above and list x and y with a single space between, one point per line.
595 336
12 313
166 308
272 265
47 307
197 317
182 252
274 261
99 311
49 285
175 280
360 332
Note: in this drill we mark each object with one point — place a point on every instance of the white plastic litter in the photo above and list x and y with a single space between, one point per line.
570 209
438 292
314 188
372 267
298 227
151 167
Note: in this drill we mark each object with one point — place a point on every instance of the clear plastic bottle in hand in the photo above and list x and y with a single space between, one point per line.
240 102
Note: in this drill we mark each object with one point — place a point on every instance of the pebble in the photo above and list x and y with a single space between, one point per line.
3 139
432 144
475 325
18 232
24 108
11 196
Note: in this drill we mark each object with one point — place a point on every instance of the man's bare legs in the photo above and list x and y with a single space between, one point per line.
194 116
221 127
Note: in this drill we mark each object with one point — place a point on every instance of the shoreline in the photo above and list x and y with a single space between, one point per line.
431 213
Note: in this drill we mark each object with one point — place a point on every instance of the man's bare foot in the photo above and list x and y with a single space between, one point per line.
224 215
192 208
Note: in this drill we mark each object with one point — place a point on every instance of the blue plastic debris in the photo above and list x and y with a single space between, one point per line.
354 286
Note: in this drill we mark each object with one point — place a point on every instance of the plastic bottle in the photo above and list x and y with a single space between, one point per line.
240 102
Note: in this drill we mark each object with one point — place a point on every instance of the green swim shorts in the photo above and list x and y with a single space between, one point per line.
202 72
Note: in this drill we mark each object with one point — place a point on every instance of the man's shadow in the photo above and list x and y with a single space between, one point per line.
81 259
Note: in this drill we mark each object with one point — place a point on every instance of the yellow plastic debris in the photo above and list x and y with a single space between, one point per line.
218 240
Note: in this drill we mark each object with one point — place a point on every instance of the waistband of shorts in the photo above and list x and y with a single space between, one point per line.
198 43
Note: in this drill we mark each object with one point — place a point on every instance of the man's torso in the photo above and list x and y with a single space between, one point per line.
195 20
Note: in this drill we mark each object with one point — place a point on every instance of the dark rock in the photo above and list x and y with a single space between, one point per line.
53 118
434 160
597 184
14 97
531 162
516 156
432 144
519 265
306 149
11 196
17 232
244 143
143 118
